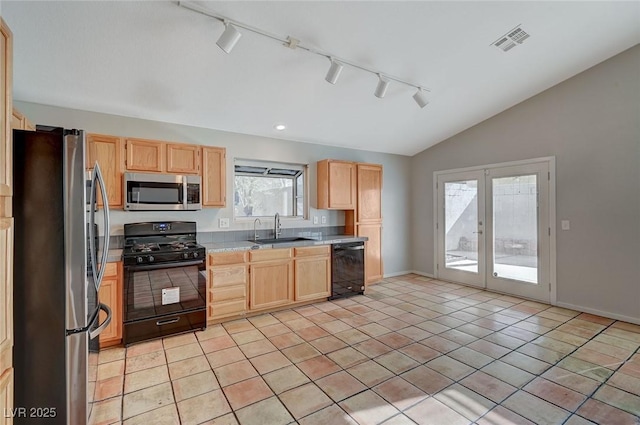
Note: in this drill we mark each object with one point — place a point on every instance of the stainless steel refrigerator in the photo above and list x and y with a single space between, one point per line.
58 267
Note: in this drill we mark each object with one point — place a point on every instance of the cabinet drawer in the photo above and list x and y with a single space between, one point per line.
227 293
270 254
222 276
111 269
227 308
308 251
221 258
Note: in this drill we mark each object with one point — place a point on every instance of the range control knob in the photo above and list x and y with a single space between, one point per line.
195 255
151 258
139 259
185 255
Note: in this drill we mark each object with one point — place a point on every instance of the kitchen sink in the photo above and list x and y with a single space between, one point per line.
280 240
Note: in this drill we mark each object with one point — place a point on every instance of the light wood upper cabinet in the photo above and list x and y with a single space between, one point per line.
111 295
271 282
312 273
183 159
6 106
373 270
144 155
20 122
214 170
6 294
336 185
105 150
369 178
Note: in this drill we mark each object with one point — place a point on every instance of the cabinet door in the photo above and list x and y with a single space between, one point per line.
271 284
183 159
312 278
144 155
111 295
6 294
373 251
6 105
214 177
6 396
336 185
105 150
369 193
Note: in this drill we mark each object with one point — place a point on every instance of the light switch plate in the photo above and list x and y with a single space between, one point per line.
324 219
223 223
315 219
565 224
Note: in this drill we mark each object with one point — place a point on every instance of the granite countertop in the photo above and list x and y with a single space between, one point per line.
114 255
247 245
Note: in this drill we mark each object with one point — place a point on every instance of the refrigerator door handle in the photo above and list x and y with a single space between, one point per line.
102 326
97 177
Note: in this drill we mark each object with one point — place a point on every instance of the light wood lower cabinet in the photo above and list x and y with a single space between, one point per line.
111 295
270 284
373 271
6 294
6 397
312 273
227 285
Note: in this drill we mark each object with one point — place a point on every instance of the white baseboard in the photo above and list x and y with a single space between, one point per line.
634 320
409 272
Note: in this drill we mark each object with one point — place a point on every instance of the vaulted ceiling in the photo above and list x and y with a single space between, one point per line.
159 61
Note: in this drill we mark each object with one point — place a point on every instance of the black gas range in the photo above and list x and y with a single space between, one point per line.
164 280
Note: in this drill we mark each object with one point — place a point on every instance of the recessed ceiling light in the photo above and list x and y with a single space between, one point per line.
280 127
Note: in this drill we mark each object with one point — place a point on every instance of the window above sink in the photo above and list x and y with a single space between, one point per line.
262 189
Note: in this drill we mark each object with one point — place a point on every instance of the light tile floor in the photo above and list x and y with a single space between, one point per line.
413 350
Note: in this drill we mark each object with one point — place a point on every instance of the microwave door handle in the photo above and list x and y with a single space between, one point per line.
184 192
107 225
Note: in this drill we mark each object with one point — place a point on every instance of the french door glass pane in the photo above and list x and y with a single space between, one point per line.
515 228
461 225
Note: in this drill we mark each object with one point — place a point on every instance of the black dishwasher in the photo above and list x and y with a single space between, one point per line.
347 269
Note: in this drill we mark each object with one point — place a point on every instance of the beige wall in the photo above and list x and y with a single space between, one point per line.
395 242
591 124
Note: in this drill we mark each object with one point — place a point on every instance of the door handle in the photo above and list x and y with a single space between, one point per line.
478 232
97 331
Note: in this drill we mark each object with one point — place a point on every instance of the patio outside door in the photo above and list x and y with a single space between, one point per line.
493 229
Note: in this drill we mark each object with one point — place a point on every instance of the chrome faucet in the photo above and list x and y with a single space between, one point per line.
276 226
255 232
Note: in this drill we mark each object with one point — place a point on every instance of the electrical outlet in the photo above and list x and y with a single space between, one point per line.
315 219
223 223
324 219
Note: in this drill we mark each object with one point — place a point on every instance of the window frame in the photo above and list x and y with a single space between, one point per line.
303 172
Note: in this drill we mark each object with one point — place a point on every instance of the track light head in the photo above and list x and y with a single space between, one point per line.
421 98
229 37
334 71
383 85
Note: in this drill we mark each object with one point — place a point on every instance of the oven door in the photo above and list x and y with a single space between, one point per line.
154 192
164 299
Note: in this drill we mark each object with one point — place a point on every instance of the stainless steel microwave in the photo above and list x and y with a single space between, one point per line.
161 192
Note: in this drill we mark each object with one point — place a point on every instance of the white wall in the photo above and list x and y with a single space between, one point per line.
396 172
591 124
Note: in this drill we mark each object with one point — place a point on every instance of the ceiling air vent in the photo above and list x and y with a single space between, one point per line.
511 39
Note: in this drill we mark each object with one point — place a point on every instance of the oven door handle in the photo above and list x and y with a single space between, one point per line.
164 266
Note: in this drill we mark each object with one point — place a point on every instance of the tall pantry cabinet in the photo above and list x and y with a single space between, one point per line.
6 224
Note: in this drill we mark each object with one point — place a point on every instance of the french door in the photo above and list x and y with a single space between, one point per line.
493 228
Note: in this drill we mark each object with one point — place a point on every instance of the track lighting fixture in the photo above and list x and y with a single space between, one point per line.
334 71
229 37
383 85
421 98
